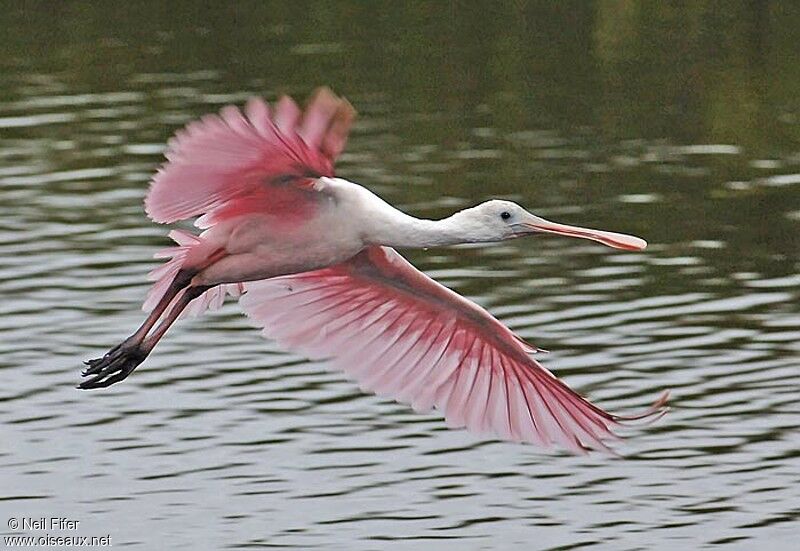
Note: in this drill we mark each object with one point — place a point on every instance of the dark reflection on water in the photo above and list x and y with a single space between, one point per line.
678 122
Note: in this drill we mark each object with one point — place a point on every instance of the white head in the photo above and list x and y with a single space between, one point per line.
498 220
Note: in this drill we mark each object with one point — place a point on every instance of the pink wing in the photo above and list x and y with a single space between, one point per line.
401 334
226 163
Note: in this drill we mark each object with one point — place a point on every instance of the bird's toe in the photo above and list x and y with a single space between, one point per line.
111 368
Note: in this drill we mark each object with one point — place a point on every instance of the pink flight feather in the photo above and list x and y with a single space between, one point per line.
423 344
225 158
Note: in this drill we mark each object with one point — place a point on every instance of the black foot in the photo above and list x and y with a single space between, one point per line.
116 365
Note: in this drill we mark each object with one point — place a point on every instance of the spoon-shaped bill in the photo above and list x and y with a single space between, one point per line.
612 239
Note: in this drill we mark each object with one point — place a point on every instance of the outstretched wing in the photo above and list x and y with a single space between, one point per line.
223 164
401 334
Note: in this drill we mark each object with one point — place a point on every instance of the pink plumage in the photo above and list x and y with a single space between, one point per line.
401 334
222 166
314 259
165 274
231 157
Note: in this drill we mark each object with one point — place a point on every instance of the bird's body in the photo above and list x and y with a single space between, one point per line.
314 257
301 234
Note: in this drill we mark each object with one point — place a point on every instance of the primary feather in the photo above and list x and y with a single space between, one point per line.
230 158
401 334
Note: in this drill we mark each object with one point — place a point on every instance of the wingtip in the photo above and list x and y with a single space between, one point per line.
662 400
346 110
323 90
651 415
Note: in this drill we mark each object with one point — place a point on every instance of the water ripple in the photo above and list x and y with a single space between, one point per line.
226 439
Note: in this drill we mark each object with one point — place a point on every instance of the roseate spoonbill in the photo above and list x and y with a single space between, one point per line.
313 258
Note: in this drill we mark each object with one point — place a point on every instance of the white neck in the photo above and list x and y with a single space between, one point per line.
395 228
379 223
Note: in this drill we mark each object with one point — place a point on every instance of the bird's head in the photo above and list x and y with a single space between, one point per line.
498 220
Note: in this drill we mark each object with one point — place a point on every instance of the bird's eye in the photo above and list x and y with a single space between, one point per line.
505 215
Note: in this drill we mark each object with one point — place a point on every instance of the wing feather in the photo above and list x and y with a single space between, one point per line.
401 334
220 159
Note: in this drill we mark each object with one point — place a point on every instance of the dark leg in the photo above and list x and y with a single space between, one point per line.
181 280
190 294
121 360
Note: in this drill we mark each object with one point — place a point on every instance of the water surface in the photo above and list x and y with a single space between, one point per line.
679 123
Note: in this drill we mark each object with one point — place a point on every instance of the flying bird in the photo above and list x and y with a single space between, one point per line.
312 258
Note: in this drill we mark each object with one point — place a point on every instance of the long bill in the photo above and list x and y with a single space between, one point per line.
612 239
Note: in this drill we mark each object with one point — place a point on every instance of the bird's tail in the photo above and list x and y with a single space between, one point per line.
165 274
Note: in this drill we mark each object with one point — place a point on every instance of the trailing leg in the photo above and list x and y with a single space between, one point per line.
121 360
173 279
180 282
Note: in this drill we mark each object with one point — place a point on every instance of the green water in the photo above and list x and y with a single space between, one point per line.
679 122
